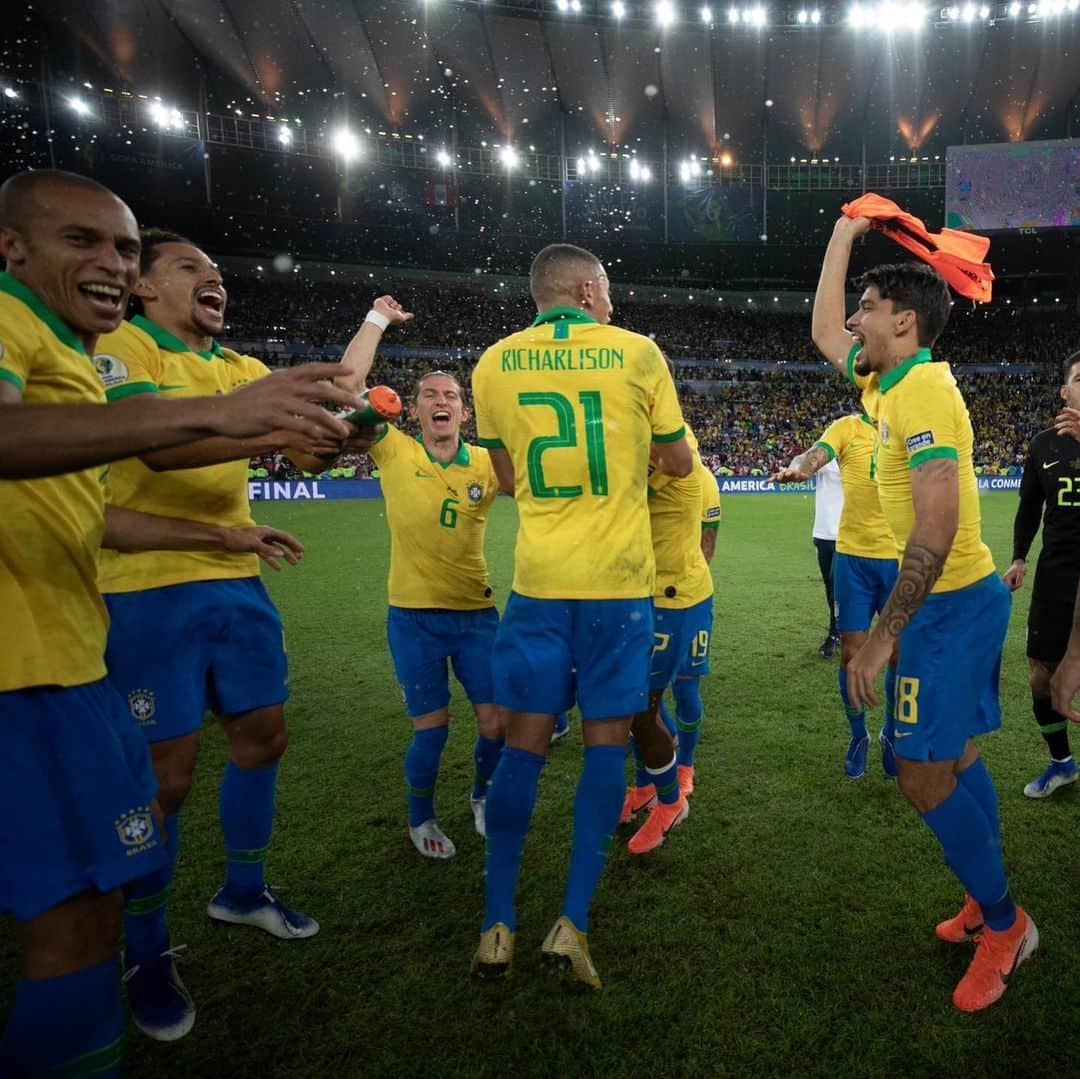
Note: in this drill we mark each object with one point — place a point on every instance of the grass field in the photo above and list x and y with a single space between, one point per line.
786 929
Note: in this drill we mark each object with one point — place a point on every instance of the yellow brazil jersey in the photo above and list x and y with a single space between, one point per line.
140 357
870 397
52 620
437 515
683 578
710 498
853 443
923 416
576 405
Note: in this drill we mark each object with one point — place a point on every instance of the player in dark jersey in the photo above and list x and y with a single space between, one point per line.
1051 479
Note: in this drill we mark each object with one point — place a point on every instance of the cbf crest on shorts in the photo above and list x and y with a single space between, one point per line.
141 703
475 492
135 828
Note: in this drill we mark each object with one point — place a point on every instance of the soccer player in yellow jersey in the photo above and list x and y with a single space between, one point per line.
217 642
682 628
864 567
438 492
949 609
73 767
570 409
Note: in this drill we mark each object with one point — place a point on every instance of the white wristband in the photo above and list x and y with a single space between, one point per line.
376 319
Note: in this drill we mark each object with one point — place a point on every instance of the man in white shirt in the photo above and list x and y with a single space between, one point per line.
828 504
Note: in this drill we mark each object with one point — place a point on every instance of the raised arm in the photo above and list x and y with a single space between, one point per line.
830 311
360 352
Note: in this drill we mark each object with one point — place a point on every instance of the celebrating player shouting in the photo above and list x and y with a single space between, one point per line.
949 610
864 567
570 408
73 768
438 493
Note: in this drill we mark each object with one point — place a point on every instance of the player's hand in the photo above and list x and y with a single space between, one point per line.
853 226
269 544
863 671
790 475
284 441
286 400
389 308
1067 422
1063 686
1015 574
362 438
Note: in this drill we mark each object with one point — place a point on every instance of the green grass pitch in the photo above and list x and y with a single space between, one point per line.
785 929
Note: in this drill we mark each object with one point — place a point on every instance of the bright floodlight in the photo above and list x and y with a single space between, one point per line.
508 156
726 160
967 13
10 93
79 106
345 144
856 17
665 13
581 166
443 158
706 15
757 16
1014 9
802 18
984 12
618 9
575 5
563 5
284 135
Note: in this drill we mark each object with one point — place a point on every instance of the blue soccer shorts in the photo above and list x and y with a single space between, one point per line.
548 649
947 677
75 790
680 644
861 586
177 652
421 643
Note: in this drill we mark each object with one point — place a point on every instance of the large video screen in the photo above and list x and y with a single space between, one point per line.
1013 185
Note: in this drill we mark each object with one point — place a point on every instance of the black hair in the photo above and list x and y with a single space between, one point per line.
913 286
152 239
1067 365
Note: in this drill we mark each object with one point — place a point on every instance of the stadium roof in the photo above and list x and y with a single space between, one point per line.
511 70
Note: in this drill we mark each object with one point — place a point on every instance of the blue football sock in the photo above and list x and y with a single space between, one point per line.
668 719
977 782
73 1025
689 712
146 933
421 772
246 808
973 853
485 757
890 704
510 800
641 775
856 718
597 805
562 722
666 780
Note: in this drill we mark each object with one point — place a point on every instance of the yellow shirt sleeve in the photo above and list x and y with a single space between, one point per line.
254 368
710 499
664 410
487 432
18 344
385 449
835 437
128 363
927 425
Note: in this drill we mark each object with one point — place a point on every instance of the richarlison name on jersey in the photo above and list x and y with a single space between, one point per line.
561 359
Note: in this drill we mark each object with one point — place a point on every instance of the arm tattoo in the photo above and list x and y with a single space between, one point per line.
812 461
919 571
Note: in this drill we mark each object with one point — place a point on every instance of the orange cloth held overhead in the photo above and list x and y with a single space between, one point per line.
957 256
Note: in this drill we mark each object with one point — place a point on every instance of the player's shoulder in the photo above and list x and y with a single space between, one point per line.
125 338
18 316
252 366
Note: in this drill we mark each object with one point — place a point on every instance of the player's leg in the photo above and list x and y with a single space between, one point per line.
534 680
471 658
826 551
161 676
855 600
248 686
420 648
686 689
885 575
75 767
1049 625
667 806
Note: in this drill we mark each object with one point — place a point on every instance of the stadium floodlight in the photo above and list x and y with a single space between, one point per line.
1057 7
665 13
11 93
580 166
1014 9
1033 9
78 106
1074 4
345 144
856 16
284 135
733 15
509 157
757 16
706 16
803 17
815 17
984 12
967 13
726 160
443 158
563 5
618 9
575 6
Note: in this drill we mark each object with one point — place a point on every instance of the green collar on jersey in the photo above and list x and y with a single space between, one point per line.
64 333
171 343
891 378
562 314
866 419
459 458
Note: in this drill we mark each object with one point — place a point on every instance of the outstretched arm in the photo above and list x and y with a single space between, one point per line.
360 352
807 464
830 311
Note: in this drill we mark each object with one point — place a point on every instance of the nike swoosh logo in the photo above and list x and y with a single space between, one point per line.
422 475
1020 953
903 734
1049 464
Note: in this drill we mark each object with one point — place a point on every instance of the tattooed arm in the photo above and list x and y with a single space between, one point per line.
807 464
935 494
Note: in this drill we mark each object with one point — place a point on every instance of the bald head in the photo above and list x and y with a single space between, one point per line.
24 196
